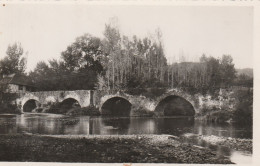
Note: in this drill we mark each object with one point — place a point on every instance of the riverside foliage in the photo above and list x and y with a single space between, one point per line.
117 61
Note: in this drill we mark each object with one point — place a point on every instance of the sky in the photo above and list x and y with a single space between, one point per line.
45 30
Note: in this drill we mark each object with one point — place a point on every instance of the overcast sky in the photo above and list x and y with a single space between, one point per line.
46 30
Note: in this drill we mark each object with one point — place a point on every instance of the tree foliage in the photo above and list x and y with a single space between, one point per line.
14 62
78 68
84 53
133 62
117 61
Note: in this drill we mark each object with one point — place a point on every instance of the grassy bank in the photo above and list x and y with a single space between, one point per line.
104 149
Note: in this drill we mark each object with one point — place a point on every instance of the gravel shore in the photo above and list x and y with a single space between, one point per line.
104 149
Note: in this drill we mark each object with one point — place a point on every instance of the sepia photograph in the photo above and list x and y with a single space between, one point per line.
122 83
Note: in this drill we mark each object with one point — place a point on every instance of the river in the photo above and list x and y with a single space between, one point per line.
84 125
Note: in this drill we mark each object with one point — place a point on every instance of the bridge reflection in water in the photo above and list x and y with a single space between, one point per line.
60 124
54 124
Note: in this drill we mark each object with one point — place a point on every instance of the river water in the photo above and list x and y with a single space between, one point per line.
85 125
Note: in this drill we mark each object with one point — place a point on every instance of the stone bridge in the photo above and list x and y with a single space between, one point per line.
106 99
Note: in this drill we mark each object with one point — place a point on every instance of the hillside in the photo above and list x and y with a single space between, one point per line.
246 71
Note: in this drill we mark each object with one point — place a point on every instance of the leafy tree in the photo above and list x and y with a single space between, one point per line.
228 71
243 80
120 62
243 113
14 62
111 47
214 72
78 68
133 62
40 74
84 53
42 69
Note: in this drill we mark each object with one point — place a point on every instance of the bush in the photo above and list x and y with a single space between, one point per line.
220 116
216 116
53 108
9 108
6 105
37 110
89 111
244 109
141 111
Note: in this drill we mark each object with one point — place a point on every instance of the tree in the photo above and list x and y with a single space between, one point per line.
14 62
40 75
112 48
84 53
228 71
42 69
78 68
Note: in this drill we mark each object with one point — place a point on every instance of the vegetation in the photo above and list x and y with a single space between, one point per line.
121 62
7 105
136 65
13 63
244 109
217 116
89 111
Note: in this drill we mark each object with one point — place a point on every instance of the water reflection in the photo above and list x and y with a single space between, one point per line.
223 129
60 124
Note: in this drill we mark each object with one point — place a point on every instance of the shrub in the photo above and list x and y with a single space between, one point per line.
7 105
9 108
244 109
141 111
89 111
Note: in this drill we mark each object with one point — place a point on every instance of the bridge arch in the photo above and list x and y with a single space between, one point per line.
27 98
30 105
175 103
74 96
70 101
115 105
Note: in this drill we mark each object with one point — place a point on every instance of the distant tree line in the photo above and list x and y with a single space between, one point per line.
117 61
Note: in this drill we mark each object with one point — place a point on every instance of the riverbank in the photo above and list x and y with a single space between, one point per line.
245 145
104 149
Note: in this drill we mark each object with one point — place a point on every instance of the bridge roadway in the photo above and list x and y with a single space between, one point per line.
97 98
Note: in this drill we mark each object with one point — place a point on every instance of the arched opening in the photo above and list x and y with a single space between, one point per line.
30 105
174 106
68 104
116 106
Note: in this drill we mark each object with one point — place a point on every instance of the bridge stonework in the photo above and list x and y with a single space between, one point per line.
44 97
97 98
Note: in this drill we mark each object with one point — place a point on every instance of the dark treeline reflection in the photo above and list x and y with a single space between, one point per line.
60 124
